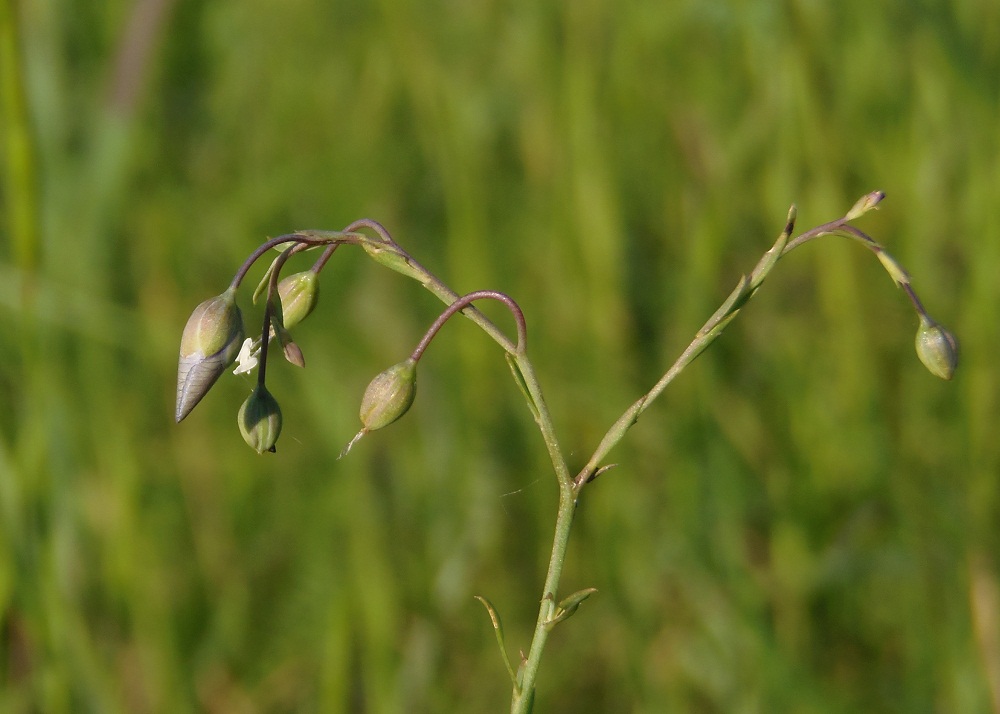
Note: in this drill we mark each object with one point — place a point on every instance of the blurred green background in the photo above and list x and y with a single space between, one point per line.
807 520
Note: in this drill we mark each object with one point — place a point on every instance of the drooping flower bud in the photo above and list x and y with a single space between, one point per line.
387 398
389 395
259 420
937 348
209 344
299 294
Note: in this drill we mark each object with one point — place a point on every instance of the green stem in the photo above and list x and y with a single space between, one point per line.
524 691
711 330
524 694
432 283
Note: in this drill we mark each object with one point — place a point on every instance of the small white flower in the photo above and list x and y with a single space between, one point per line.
247 358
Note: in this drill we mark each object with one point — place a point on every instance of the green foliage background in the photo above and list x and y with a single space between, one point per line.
807 522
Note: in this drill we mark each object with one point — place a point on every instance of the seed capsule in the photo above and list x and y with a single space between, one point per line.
386 399
937 348
259 420
389 395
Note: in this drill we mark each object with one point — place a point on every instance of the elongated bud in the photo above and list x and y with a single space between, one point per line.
209 344
937 348
299 294
865 204
387 398
259 420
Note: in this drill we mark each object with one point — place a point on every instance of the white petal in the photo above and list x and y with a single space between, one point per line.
247 358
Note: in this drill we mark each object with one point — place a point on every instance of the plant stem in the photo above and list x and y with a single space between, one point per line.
524 695
569 487
462 303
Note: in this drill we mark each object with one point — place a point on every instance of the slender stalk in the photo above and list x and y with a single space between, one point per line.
432 282
463 302
524 695
299 238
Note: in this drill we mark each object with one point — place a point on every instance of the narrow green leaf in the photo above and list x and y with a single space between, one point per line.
770 258
262 285
739 294
498 630
618 429
391 258
895 270
568 606
710 336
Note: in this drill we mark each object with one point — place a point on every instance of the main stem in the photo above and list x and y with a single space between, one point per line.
524 691
524 694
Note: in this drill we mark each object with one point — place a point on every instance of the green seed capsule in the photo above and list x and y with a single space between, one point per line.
937 348
259 420
389 395
209 344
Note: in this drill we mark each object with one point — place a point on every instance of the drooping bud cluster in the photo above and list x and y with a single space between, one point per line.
214 338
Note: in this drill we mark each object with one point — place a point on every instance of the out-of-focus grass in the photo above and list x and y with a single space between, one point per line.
806 523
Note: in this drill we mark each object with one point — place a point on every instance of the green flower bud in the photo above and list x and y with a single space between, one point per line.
299 294
389 395
865 204
386 399
210 343
259 420
937 348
